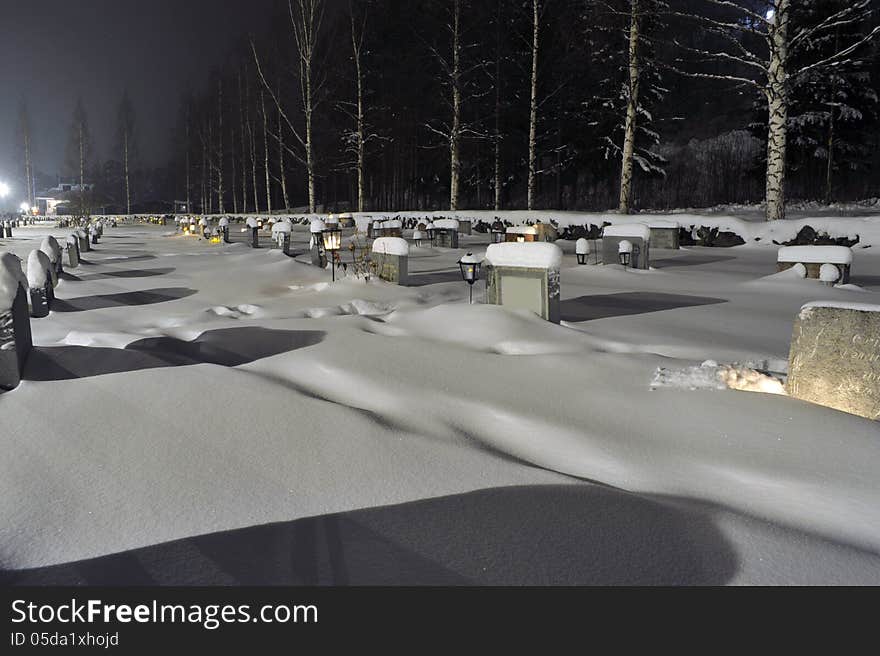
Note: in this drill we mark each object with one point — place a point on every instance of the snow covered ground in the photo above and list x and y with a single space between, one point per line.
181 389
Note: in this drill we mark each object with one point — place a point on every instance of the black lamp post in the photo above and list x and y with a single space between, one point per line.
470 272
332 238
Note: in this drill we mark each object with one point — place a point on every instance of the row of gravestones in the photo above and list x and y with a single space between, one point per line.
45 267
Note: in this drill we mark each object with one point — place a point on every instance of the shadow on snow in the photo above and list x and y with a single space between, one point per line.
228 347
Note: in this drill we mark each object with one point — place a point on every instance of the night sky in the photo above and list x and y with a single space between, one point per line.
54 51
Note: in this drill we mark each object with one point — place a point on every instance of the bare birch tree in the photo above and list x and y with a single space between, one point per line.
79 149
357 46
760 47
306 24
533 106
125 142
24 128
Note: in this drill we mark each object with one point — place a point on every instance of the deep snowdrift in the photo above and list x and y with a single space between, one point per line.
360 395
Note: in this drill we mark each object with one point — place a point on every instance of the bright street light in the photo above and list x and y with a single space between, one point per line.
24 207
4 190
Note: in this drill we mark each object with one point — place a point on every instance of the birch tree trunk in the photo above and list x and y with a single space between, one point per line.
777 101
125 171
281 174
310 155
533 108
253 140
28 165
306 26
455 133
829 165
233 183
356 44
632 104
82 169
266 152
497 144
187 158
220 207
244 182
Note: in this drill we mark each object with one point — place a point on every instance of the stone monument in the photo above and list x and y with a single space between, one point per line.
835 357
523 275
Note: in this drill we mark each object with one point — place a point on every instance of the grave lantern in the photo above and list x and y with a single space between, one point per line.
470 271
624 252
582 249
332 239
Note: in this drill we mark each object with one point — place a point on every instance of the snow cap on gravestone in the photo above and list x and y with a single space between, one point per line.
529 255
38 269
11 278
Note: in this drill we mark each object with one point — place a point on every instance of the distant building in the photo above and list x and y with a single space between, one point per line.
48 206
66 187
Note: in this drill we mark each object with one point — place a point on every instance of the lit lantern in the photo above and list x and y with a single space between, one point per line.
624 252
332 238
520 239
470 271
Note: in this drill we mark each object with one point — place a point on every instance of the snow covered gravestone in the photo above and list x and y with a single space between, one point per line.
281 235
316 244
392 228
813 258
524 276
445 233
665 234
835 357
521 234
15 324
390 257
52 249
637 234
223 224
546 232
83 237
39 276
253 228
72 251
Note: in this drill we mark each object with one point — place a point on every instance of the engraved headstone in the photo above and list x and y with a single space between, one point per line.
665 234
835 357
524 276
390 256
72 251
